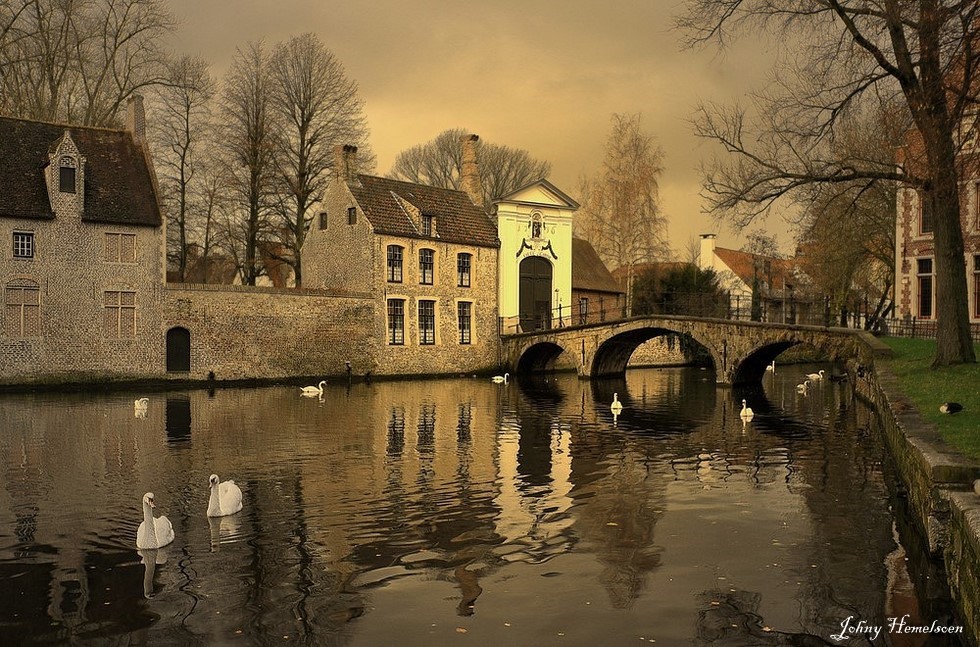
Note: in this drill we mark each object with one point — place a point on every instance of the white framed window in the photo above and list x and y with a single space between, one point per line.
23 244
464 310
396 322
427 261
427 322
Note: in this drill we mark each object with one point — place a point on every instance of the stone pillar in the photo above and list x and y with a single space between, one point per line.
136 118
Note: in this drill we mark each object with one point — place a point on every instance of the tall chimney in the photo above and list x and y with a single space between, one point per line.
706 258
136 118
345 162
471 171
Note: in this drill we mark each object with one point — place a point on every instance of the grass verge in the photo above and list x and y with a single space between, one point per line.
928 388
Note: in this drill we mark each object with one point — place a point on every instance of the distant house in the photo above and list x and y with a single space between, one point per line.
83 262
596 295
427 255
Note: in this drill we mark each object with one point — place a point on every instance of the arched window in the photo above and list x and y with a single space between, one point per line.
178 350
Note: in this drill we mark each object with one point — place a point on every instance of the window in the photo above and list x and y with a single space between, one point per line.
427 322
463 264
66 176
394 264
925 287
323 220
426 266
23 244
925 214
120 314
465 311
976 206
351 215
396 321
976 286
583 311
22 310
426 225
120 248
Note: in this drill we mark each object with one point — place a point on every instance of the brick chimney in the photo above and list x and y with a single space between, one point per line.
471 171
345 162
136 118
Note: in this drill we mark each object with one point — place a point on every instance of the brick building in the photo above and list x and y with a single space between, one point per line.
428 258
83 264
596 295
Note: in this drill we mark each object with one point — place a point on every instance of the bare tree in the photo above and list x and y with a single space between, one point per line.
181 128
621 214
79 62
319 108
921 55
439 162
250 146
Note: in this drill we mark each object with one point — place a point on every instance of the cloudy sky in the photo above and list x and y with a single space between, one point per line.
543 75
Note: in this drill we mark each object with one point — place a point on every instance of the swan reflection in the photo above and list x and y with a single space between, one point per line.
224 530
150 558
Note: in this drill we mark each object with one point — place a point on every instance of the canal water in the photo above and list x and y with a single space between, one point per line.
459 511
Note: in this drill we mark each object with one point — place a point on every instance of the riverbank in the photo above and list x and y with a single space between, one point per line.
938 476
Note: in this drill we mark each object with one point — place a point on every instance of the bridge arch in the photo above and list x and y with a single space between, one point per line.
540 357
613 354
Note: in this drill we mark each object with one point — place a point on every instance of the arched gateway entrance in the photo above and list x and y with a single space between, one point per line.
535 293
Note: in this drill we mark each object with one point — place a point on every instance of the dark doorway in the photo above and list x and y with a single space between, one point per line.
535 295
178 350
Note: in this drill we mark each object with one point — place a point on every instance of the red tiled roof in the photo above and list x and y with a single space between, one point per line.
118 186
777 272
457 219
588 270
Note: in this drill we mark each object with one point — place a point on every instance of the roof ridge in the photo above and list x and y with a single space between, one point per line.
64 125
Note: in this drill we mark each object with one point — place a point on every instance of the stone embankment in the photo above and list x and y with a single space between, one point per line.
940 485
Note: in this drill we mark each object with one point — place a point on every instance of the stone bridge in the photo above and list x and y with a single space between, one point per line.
739 350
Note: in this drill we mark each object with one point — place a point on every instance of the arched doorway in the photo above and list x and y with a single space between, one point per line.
535 294
178 350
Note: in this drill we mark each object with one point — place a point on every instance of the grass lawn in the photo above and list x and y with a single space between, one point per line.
928 388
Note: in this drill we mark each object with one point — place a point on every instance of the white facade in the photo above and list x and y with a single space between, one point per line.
535 222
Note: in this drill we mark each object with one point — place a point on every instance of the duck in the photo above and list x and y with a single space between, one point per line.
154 532
313 390
616 407
498 379
950 407
815 377
746 413
771 368
226 498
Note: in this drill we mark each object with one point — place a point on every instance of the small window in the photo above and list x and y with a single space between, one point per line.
426 266
465 312
427 323
323 220
924 267
976 286
583 311
925 214
120 314
23 244
396 322
22 310
120 248
395 254
351 215
463 264
66 179
426 225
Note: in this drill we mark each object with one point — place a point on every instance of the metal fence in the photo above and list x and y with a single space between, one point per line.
913 328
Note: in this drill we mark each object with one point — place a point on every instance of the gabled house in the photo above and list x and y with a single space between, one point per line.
596 295
428 257
83 262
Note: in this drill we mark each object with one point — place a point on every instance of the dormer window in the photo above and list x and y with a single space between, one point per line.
426 225
66 177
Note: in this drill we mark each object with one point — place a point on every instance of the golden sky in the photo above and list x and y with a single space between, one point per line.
543 75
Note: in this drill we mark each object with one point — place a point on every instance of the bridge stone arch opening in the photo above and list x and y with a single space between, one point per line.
753 368
539 358
613 355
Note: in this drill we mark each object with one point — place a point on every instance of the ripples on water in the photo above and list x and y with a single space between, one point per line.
426 512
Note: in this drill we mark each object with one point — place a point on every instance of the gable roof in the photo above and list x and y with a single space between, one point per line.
744 265
457 219
588 270
118 185
526 195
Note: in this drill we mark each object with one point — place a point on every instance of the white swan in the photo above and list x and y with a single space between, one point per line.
313 390
153 532
803 386
746 413
226 498
140 407
500 378
772 367
815 377
616 407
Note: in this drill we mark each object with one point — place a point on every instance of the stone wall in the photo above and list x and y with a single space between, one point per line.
264 333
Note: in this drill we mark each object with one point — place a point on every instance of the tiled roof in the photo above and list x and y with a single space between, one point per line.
661 269
588 270
118 186
457 219
744 264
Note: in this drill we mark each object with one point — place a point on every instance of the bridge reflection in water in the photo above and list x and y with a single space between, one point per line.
403 513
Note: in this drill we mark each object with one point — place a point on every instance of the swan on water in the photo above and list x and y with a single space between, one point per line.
140 407
500 378
616 407
313 390
815 377
153 532
771 367
746 413
803 386
226 498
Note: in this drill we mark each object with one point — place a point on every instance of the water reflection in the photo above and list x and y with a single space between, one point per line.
398 512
